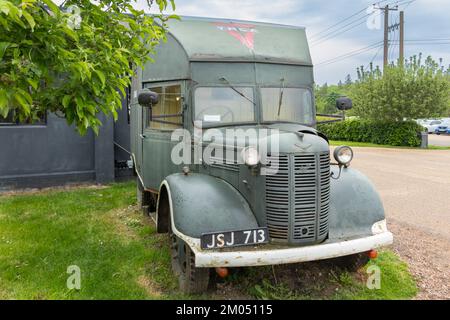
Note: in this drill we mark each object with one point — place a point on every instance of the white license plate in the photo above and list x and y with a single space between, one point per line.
239 238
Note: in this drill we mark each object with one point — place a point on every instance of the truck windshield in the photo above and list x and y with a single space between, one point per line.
287 105
214 105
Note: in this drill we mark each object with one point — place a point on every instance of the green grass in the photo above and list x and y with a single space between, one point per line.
373 145
322 118
121 256
319 280
96 229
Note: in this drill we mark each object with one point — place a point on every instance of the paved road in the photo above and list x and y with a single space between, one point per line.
440 141
415 188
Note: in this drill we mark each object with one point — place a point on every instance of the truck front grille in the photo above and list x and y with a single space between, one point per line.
298 197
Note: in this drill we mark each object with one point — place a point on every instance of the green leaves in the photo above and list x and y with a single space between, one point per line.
394 133
53 7
419 89
29 19
101 77
78 62
3 47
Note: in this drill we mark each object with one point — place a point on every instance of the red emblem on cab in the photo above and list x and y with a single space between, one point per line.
245 33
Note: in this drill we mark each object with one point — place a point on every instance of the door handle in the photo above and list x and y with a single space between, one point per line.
143 136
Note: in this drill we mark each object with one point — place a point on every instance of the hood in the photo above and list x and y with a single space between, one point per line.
290 138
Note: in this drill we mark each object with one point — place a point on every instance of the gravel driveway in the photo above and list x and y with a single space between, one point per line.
415 188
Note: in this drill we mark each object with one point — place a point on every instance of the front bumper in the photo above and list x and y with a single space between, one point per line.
267 256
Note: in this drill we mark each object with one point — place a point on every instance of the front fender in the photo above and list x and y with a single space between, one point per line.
205 204
355 205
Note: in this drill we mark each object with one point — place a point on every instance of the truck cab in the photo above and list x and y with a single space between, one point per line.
228 159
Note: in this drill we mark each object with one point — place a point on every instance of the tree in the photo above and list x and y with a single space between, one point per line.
326 96
348 80
419 89
76 59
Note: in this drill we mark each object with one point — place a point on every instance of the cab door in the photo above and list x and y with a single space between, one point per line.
159 124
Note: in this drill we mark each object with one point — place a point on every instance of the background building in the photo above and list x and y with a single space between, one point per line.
51 153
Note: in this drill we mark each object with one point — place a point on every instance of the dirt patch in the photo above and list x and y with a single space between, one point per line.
126 222
428 257
311 280
152 289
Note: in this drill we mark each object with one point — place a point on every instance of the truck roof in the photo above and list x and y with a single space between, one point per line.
237 40
210 19
198 39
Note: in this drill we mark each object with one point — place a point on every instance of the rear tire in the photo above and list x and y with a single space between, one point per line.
192 280
351 263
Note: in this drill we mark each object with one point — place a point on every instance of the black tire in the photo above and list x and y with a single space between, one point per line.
192 280
351 263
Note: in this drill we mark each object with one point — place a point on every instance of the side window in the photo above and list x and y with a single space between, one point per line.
167 113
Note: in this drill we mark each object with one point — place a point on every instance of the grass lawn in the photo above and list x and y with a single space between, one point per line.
373 145
120 256
322 118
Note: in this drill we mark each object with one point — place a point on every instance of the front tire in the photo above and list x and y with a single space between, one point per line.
192 280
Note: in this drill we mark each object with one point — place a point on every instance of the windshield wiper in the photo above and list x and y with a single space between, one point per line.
236 90
280 101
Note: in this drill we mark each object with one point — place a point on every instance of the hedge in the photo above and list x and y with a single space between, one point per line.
406 133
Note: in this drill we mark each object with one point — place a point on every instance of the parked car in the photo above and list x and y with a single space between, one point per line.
433 125
422 122
442 129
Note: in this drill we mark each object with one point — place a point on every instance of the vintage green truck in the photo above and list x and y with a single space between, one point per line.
224 75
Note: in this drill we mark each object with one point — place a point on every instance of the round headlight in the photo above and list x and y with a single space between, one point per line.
250 156
343 155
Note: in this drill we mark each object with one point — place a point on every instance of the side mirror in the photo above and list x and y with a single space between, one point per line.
344 103
147 98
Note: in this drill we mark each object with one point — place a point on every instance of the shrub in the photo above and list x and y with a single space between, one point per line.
417 89
394 133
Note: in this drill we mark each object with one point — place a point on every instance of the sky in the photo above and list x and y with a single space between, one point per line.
424 20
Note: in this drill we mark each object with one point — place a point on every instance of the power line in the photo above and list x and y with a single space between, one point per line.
349 54
407 4
351 25
393 41
428 40
374 57
345 20
340 22
426 44
339 32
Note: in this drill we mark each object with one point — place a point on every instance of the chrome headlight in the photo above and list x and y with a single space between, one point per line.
250 156
343 155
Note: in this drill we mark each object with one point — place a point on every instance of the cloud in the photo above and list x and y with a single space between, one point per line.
268 11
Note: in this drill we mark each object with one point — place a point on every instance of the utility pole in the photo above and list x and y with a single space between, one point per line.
386 32
402 37
386 35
